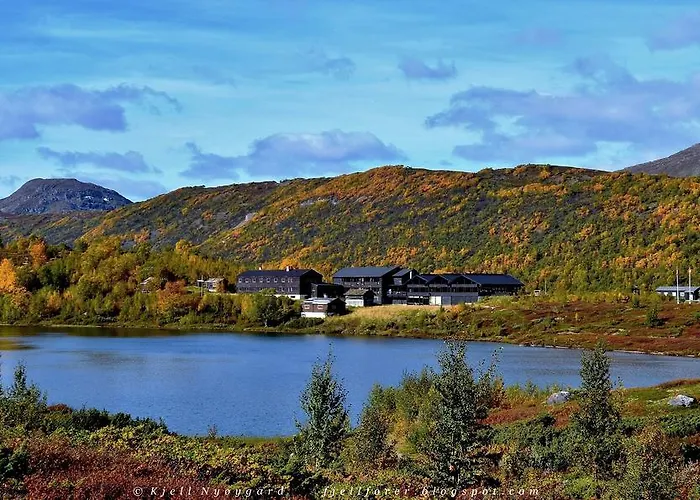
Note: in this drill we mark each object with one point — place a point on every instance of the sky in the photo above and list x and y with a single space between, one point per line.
146 97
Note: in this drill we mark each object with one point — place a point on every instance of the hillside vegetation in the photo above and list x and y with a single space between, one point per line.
578 229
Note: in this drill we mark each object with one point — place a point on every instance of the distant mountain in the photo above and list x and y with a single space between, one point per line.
56 196
686 163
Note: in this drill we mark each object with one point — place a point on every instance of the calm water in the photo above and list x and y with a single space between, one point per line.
250 384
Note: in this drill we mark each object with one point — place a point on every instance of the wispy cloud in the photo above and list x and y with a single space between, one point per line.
129 162
610 106
340 68
24 111
209 165
416 69
284 155
679 33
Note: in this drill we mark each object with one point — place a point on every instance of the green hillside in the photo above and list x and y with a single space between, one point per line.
579 229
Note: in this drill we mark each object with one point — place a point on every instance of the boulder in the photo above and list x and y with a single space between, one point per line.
681 400
558 397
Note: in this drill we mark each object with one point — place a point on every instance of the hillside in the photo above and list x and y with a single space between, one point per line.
685 163
56 196
579 229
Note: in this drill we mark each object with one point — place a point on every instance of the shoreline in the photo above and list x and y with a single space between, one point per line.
272 331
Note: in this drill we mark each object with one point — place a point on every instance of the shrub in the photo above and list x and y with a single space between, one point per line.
22 404
652 318
299 323
14 464
535 443
320 438
650 469
371 441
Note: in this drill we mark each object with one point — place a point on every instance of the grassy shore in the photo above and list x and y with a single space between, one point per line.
649 326
646 324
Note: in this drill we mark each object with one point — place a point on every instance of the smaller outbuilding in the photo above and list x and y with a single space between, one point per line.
682 293
321 308
359 298
212 284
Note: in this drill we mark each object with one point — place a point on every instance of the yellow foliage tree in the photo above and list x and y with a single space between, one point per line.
38 253
8 278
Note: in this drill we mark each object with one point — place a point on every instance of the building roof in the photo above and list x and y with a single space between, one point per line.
452 277
404 272
366 272
318 301
682 289
494 279
429 278
357 292
296 273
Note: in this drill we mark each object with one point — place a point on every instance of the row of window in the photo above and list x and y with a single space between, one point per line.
266 280
279 289
361 280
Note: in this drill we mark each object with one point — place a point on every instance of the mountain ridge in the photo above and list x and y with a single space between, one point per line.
59 196
685 163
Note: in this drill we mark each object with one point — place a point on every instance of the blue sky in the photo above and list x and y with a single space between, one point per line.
145 97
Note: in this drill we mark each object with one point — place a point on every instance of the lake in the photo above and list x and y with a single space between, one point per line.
250 384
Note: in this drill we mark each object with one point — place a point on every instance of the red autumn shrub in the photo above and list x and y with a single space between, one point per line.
59 471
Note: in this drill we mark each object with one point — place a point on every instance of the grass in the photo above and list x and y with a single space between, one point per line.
388 312
652 402
542 321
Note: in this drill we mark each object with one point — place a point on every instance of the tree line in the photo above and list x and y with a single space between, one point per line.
103 282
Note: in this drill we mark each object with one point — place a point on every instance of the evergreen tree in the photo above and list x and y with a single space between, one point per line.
454 443
597 421
321 437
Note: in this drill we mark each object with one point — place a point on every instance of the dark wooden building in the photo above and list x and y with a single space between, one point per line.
321 308
294 283
496 284
441 289
377 279
397 293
